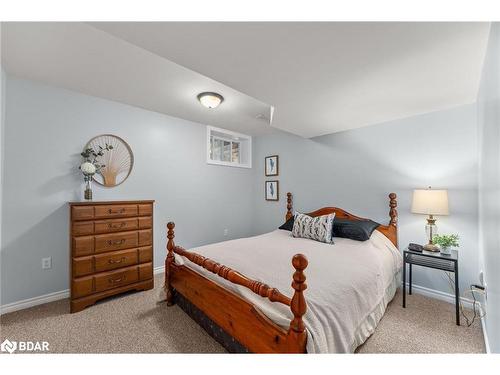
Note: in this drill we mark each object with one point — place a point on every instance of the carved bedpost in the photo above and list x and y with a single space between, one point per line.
168 263
297 335
288 206
393 213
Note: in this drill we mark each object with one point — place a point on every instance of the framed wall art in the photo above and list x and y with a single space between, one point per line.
272 190
117 161
272 165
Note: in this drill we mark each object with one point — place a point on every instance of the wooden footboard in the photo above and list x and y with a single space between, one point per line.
235 315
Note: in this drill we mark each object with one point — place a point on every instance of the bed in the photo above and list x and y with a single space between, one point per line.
224 287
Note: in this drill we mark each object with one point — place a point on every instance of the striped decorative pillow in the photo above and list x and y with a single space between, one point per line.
315 228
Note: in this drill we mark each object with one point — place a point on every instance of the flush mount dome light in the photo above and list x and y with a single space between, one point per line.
210 99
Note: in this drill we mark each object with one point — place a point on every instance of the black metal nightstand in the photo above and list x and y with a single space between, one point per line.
432 260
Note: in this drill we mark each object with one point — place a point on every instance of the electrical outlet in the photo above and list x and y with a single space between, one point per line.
481 277
226 231
46 263
482 282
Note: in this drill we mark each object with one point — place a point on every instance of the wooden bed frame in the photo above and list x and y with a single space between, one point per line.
236 316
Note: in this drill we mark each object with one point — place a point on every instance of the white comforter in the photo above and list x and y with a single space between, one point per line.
349 282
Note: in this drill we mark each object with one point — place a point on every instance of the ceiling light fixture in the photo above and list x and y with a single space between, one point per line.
210 99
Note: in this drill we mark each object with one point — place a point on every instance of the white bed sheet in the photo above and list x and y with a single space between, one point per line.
349 282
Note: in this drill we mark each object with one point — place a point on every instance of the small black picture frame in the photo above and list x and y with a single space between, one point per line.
272 190
271 165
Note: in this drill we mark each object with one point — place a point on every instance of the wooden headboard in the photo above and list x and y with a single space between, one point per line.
390 230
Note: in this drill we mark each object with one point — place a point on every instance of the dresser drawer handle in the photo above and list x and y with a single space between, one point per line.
116 242
120 211
111 226
113 281
113 261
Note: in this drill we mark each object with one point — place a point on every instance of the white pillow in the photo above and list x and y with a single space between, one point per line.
315 228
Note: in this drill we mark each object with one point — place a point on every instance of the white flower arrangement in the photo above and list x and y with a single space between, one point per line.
88 168
91 160
91 165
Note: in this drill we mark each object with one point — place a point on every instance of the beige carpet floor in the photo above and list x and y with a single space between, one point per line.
136 323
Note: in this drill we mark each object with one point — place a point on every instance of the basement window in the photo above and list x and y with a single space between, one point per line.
228 148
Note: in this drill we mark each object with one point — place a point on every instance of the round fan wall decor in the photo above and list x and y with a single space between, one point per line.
118 161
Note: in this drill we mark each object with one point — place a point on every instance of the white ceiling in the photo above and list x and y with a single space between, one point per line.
320 77
80 57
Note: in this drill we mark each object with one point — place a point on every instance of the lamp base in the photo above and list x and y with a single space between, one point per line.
431 247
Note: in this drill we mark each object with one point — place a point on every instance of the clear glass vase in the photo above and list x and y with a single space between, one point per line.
88 188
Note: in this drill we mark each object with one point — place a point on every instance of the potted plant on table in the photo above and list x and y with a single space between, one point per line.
91 166
446 242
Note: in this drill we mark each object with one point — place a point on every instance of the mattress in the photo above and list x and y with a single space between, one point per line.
349 282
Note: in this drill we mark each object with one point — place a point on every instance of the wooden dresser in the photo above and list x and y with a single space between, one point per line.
111 249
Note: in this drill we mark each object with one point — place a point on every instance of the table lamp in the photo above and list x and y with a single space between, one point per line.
430 202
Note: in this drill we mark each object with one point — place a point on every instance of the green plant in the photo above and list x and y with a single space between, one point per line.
92 156
446 240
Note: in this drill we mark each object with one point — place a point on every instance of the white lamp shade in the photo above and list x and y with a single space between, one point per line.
430 202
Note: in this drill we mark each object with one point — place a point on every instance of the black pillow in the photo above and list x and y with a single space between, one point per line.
359 230
288 224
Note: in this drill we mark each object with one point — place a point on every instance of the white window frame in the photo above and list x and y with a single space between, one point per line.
230 136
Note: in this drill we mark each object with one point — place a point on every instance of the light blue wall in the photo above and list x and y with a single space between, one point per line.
357 169
47 127
2 148
489 183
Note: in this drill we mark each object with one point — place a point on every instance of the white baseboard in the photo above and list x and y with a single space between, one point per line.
50 297
30 302
158 270
437 294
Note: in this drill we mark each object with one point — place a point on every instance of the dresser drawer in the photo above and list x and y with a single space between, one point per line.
116 225
117 259
83 245
82 286
82 228
145 237
145 209
145 222
115 241
82 212
110 211
114 279
83 266
145 254
145 271
88 265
